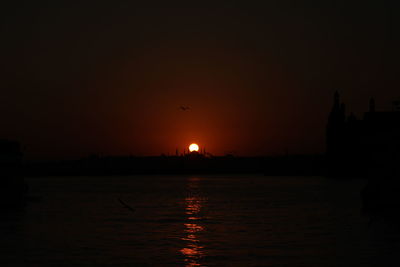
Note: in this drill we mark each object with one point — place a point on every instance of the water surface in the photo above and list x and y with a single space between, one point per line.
246 220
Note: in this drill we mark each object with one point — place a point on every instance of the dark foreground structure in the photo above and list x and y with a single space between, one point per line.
13 189
367 148
192 163
362 147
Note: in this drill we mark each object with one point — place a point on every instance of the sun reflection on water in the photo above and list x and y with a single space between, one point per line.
193 250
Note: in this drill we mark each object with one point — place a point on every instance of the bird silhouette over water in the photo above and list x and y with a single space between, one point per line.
184 108
126 205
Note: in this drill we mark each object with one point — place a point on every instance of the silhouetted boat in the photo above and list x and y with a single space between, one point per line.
13 188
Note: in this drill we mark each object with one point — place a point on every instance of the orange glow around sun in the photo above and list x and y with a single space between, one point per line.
193 147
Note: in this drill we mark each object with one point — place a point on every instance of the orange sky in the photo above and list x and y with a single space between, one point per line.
82 78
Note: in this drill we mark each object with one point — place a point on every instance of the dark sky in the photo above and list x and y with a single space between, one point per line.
81 77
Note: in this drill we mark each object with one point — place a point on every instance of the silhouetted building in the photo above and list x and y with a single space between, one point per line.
10 157
360 146
12 186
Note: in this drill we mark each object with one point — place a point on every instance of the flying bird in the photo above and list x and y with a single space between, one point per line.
126 205
184 108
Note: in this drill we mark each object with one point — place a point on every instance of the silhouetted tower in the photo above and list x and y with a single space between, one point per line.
335 128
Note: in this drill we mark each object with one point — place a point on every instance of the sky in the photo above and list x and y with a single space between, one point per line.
108 77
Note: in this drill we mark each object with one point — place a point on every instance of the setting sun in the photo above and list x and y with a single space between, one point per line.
193 147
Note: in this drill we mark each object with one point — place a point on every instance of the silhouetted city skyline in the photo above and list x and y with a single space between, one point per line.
142 79
363 146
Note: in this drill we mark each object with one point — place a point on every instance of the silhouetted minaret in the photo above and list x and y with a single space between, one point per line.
337 114
335 128
372 105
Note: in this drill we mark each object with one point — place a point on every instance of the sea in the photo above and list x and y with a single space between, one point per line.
196 220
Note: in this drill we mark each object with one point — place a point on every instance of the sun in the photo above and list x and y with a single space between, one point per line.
194 147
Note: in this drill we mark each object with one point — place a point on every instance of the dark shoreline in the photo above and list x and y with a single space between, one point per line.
312 165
